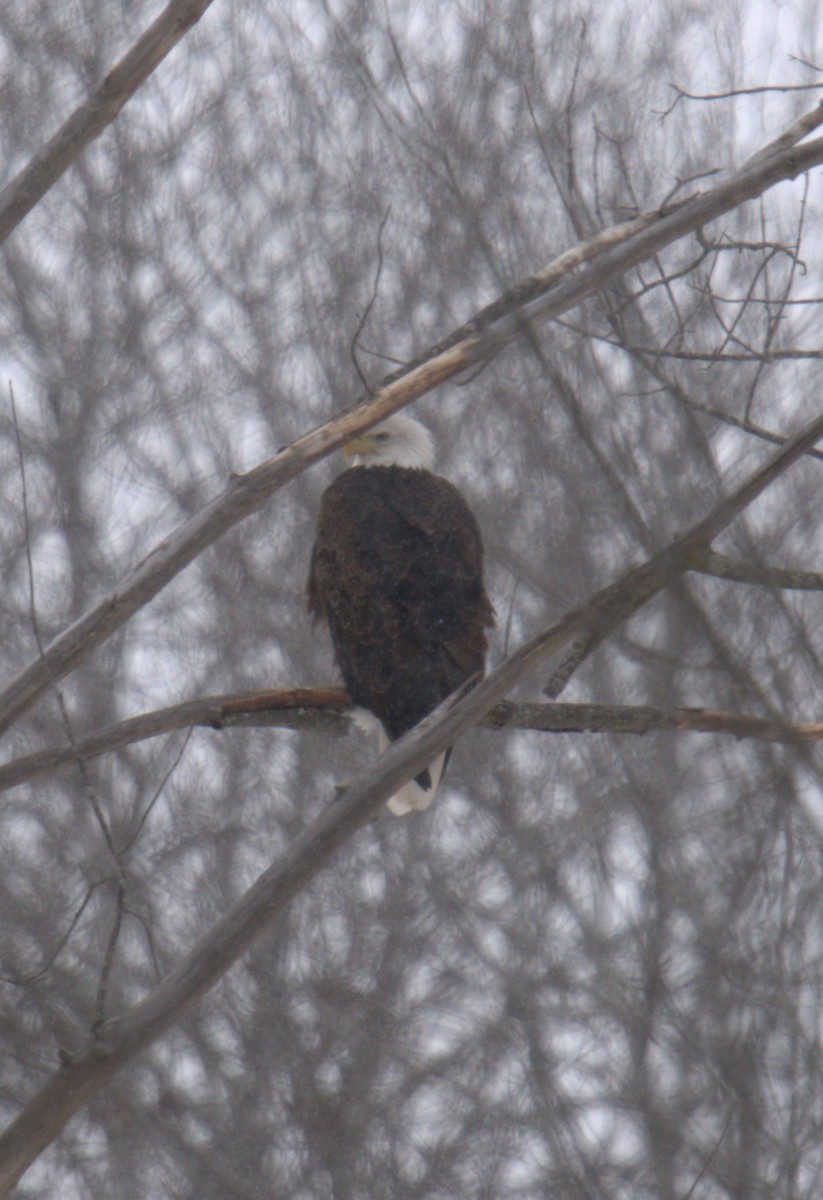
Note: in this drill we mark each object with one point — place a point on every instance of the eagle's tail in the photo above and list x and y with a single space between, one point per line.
418 793
413 796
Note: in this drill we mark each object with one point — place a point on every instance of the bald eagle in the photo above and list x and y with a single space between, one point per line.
397 575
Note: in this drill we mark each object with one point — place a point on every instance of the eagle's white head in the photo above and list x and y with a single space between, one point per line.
399 441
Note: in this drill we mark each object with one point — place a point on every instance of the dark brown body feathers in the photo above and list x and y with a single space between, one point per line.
397 574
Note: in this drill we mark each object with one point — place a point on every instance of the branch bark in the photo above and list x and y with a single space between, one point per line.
640 719
323 710
574 277
119 1040
88 121
310 709
721 567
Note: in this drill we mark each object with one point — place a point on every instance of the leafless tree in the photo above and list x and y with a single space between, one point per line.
587 242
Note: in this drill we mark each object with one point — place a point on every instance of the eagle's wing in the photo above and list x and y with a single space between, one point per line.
397 574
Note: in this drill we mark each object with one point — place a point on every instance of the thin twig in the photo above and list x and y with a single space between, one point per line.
372 298
704 1168
718 356
78 761
108 957
149 936
752 91
35 624
682 94
158 791
25 980
804 62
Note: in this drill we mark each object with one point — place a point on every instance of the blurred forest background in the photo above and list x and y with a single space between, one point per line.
593 968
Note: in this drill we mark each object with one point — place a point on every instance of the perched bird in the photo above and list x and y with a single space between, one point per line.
397 575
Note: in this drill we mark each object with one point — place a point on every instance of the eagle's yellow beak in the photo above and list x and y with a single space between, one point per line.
364 443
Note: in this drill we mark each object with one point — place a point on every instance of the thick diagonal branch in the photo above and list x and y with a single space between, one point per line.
88 121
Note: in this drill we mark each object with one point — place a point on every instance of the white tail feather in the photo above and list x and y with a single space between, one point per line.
411 797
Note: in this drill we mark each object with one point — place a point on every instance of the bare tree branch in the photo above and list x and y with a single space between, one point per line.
641 719
323 710
39 972
682 94
718 565
88 121
719 356
515 315
86 1070
309 709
